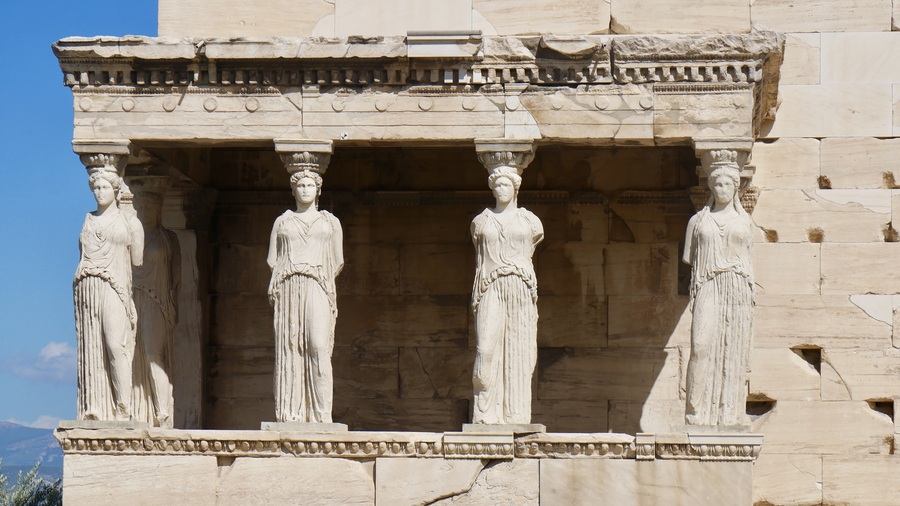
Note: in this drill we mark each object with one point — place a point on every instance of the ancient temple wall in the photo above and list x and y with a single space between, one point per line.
612 337
826 336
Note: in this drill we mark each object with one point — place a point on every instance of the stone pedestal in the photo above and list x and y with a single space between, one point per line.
504 428
101 424
304 427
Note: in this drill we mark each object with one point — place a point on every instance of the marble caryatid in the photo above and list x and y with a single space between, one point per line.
111 242
717 246
305 255
504 300
155 297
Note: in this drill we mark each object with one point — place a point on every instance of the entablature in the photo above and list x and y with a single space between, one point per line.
629 89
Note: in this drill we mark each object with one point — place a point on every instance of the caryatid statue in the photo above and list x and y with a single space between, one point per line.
155 295
305 255
504 294
717 246
111 243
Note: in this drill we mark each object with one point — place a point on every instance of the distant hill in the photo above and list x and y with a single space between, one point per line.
21 447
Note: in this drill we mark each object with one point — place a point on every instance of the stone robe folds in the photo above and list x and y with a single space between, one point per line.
302 291
105 318
154 299
504 300
722 305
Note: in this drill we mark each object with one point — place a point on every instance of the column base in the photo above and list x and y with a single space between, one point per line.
304 427
504 428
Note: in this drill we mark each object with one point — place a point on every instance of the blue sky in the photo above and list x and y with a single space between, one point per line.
44 200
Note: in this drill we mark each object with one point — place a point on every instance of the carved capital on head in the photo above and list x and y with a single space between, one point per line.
503 154
304 154
717 153
108 155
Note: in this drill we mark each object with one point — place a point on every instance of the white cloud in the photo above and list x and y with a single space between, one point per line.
55 362
42 422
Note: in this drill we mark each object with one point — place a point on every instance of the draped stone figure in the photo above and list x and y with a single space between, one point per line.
305 255
155 296
717 246
504 301
111 242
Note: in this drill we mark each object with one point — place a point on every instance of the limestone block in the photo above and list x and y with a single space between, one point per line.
860 162
436 373
437 269
824 215
393 116
365 372
859 110
823 15
652 416
241 413
230 18
503 482
611 373
241 269
444 224
719 16
649 216
780 373
861 479
860 374
423 481
591 118
373 269
588 224
571 416
860 57
787 479
802 63
826 321
206 116
571 321
402 320
396 17
859 268
686 115
896 109
787 163
671 482
428 415
786 268
639 269
244 320
510 17
312 481
895 16
139 480
571 268
623 168
646 321
836 427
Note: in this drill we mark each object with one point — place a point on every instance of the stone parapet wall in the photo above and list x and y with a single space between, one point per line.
159 466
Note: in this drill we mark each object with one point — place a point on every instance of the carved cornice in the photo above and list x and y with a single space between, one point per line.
450 445
145 64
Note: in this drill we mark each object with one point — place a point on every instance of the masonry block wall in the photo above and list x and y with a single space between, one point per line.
826 359
608 275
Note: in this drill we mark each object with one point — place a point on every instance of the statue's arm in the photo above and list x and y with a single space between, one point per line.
273 245
689 240
137 242
338 245
537 229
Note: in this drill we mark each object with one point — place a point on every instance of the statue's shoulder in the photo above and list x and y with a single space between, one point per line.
530 217
330 218
480 217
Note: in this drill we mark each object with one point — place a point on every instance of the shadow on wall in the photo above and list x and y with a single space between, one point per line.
611 335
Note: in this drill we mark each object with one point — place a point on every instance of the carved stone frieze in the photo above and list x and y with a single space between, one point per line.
450 445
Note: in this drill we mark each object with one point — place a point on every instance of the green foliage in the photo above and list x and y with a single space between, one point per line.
30 490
